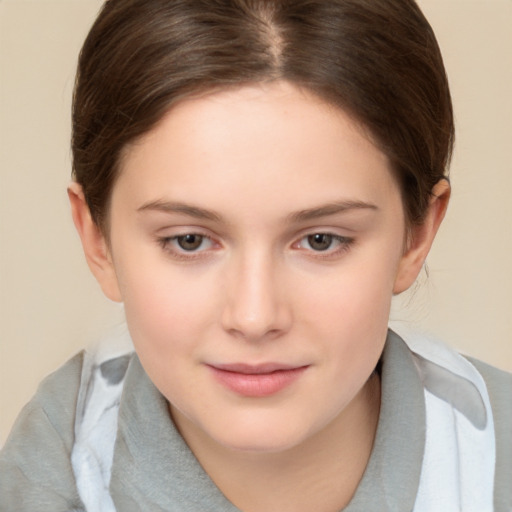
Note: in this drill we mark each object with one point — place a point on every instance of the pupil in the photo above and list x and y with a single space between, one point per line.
320 242
190 242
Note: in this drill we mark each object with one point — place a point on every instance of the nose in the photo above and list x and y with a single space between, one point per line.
256 307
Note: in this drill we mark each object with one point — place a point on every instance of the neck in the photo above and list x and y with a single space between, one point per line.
321 474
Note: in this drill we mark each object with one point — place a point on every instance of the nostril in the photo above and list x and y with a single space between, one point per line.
255 307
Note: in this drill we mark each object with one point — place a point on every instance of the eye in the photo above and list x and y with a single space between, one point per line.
320 241
327 243
188 243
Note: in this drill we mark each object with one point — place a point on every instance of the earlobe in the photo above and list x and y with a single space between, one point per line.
95 246
421 238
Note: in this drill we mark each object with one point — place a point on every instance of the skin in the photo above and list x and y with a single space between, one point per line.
255 173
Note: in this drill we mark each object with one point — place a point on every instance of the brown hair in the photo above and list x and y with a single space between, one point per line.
377 59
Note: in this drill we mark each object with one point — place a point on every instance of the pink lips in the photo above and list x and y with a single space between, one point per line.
256 381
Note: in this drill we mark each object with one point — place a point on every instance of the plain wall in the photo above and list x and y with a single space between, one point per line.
50 306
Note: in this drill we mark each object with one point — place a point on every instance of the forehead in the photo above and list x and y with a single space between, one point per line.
271 144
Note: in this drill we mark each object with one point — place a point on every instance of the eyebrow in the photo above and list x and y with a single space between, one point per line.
183 208
300 216
330 209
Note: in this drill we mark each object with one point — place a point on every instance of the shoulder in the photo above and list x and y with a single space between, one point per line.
499 386
467 385
35 465
499 383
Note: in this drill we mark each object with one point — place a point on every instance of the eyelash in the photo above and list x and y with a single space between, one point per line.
181 253
343 245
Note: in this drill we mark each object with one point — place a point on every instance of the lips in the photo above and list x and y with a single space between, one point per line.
256 380
257 369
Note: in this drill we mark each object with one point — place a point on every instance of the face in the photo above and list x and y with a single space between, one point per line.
256 237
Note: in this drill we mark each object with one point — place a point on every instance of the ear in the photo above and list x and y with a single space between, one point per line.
96 248
421 237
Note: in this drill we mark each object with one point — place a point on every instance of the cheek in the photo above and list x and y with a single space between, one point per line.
169 318
358 294
355 325
349 312
166 310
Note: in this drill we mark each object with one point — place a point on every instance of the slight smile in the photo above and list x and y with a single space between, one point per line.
256 380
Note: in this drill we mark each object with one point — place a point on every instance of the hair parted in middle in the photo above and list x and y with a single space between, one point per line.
376 59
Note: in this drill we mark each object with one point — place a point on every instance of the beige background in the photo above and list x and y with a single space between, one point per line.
50 306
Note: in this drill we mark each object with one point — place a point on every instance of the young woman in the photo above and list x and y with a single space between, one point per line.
255 180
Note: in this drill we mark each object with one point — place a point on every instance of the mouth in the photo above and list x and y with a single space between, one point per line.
258 369
256 380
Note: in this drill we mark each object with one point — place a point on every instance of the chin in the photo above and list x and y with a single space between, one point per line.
262 436
263 446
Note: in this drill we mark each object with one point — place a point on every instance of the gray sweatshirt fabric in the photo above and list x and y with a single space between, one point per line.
154 470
